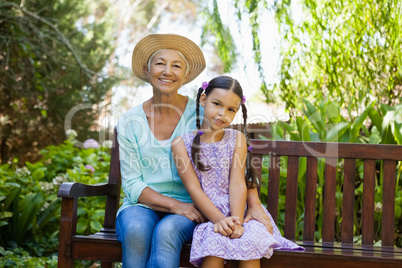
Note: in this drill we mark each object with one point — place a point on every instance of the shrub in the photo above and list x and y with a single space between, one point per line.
30 208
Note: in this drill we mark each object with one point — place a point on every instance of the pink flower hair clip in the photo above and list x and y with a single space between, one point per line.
204 85
243 99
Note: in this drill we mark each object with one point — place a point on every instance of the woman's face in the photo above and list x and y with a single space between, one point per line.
167 71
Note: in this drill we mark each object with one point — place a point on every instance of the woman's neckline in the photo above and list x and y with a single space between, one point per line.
178 123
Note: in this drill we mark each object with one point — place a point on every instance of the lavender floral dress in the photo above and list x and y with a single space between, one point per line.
256 242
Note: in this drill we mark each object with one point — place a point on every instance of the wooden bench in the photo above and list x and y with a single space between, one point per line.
327 253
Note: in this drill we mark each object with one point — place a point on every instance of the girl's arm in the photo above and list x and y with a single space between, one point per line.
191 182
237 184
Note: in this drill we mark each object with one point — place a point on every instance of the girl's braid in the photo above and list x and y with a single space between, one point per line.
195 147
251 180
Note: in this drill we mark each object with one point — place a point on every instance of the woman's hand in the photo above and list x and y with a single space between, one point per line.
257 213
226 226
190 211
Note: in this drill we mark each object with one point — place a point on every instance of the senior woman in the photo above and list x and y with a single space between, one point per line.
157 216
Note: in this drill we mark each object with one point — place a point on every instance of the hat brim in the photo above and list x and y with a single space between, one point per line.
153 42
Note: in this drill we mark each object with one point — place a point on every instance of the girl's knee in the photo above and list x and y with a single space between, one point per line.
212 261
250 264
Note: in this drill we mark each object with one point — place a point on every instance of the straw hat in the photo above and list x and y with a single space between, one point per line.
153 42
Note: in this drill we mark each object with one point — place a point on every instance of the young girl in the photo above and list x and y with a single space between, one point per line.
217 185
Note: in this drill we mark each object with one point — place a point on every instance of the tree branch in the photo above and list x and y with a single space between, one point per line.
64 40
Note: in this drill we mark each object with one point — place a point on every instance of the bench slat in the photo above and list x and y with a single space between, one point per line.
322 149
273 186
368 202
291 197
348 203
310 199
329 200
388 208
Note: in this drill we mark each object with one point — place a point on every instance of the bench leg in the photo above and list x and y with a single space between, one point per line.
65 233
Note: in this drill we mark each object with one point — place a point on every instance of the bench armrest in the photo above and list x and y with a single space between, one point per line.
76 189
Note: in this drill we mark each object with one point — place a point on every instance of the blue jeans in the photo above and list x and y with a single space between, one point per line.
152 239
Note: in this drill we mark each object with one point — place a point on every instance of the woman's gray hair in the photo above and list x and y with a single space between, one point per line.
181 54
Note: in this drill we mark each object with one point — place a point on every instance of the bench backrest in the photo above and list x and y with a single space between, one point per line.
333 162
338 161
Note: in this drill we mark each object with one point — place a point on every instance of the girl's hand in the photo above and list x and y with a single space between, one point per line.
257 213
237 232
227 225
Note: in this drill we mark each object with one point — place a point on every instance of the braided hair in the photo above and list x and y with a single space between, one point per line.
228 83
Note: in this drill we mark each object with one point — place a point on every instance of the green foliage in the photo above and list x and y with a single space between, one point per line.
30 208
21 258
346 51
53 55
325 123
215 30
220 36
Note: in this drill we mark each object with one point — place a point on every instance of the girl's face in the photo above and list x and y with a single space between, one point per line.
167 71
220 108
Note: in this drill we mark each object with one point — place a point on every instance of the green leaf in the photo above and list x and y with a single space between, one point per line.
398 132
96 225
336 131
357 124
314 116
81 225
398 212
5 214
375 118
14 193
290 130
333 112
38 174
29 207
303 129
46 215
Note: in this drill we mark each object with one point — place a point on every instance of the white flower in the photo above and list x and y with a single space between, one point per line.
71 133
378 207
107 144
22 171
58 180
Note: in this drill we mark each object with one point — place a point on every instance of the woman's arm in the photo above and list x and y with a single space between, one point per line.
136 190
163 203
255 210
